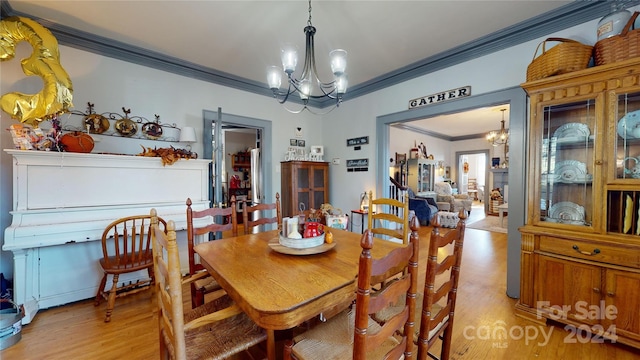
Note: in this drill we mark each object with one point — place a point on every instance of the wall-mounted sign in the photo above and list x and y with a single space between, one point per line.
358 141
357 163
440 97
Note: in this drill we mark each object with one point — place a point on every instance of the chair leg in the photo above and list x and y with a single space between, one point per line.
446 343
112 298
103 282
199 298
164 352
286 352
151 276
194 295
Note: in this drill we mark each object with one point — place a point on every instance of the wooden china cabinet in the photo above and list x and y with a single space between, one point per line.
580 250
304 185
421 176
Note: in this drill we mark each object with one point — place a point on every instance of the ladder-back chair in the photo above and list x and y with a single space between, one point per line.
438 306
356 335
256 215
216 330
389 217
435 310
216 218
126 248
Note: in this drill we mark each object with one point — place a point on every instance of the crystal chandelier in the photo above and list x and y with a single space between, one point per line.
499 137
303 86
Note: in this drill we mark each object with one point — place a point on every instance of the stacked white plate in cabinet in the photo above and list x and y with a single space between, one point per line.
572 130
629 125
571 171
566 212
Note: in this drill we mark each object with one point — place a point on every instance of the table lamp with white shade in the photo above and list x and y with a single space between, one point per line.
188 136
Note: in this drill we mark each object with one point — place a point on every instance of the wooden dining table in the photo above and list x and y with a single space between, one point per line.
280 291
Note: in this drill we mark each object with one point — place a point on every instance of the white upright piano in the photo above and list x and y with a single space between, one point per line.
63 201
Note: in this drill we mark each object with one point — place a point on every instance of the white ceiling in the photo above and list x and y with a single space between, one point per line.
242 38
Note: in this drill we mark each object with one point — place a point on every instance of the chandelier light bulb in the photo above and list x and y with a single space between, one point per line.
305 89
341 84
338 61
289 59
274 77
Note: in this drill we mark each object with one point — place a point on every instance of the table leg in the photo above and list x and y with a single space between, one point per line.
271 344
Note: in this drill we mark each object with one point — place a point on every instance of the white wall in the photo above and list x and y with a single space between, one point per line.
112 84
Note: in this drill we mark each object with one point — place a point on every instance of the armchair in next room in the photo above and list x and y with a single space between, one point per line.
424 208
457 201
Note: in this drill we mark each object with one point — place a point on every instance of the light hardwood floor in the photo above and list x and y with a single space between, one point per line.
77 331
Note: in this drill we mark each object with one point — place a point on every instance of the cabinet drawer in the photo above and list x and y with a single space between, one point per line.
612 254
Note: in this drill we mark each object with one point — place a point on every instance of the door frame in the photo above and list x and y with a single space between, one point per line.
516 97
487 161
210 118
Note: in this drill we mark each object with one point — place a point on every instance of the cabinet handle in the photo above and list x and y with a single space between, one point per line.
594 252
610 294
596 290
599 162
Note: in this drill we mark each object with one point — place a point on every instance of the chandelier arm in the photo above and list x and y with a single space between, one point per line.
293 82
321 113
284 94
309 56
295 111
329 94
312 67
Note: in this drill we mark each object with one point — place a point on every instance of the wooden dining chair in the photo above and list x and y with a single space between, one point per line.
215 223
256 215
216 330
356 335
126 248
436 306
389 217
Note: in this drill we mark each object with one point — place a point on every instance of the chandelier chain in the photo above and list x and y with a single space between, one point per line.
309 21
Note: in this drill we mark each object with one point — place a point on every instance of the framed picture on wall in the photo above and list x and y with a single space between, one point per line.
495 162
317 150
301 143
400 158
293 142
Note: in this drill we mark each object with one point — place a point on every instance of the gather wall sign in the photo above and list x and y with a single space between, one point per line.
440 97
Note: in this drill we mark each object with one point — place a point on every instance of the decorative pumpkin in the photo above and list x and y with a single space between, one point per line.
77 141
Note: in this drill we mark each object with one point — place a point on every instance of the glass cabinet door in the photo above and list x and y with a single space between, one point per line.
624 203
423 181
628 136
567 163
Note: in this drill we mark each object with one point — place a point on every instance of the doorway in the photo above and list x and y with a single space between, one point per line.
476 175
216 124
517 100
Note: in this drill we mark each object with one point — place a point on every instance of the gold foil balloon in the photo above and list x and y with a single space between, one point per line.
56 94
